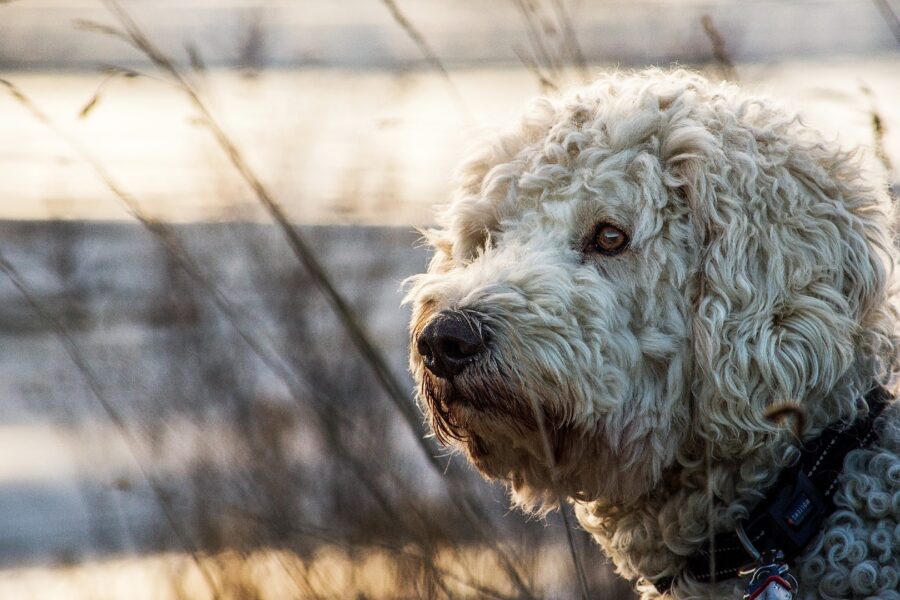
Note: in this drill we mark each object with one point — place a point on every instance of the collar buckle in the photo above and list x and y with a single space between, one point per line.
771 580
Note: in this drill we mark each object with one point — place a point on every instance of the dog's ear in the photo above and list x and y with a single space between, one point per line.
793 274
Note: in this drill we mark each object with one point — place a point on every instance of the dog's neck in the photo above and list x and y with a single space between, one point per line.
651 537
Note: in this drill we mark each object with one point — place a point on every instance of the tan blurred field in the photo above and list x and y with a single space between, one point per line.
267 574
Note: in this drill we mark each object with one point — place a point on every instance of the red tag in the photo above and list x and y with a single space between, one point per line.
775 588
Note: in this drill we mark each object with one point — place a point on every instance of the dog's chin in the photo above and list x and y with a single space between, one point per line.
466 412
499 433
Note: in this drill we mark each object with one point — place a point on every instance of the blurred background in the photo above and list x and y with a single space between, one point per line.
206 212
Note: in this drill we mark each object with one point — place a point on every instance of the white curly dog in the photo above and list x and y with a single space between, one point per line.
625 287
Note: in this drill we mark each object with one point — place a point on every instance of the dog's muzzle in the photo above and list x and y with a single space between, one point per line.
450 342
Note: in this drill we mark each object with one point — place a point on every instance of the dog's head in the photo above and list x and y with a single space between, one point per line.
648 261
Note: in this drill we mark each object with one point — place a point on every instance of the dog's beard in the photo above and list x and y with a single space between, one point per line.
508 433
466 410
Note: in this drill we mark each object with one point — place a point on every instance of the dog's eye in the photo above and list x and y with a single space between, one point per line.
609 239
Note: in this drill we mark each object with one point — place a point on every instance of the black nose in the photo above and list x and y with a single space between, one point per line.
450 342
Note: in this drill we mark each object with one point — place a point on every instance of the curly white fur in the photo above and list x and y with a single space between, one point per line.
760 269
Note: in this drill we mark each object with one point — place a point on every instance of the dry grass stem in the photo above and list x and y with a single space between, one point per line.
269 357
541 424
570 40
430 55
878 141
553 47
306 255
131 441
720 53
890 17
319 402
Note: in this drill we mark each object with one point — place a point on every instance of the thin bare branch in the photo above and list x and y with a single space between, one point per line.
198 65
112 73
303 252
553 44
131 442
570 39
554 475
546 83
97 27
720 53
878 137
306 256
547 61
890 17
264 351
430 55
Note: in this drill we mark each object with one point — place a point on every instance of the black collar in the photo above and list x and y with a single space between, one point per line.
794 509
